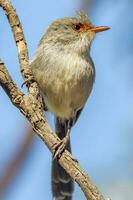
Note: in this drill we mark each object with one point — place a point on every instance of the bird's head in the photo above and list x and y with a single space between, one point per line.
73 32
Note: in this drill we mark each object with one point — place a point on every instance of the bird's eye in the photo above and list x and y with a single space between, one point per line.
77 27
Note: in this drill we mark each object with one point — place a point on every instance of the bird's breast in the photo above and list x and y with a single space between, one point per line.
66 84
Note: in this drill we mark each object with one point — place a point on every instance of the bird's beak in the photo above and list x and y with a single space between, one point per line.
97 29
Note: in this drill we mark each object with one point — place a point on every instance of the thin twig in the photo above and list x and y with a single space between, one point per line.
31 106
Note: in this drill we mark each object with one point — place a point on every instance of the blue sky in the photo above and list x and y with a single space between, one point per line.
101 139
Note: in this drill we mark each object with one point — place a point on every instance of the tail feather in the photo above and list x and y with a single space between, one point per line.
62 184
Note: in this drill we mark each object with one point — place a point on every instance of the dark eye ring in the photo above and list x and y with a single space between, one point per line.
77 27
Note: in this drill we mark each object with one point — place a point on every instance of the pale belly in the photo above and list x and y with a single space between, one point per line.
65 83
64 97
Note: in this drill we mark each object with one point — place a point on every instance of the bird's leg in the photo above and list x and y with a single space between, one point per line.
44 105
61 145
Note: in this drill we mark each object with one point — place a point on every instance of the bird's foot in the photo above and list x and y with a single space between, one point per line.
59 148
28 82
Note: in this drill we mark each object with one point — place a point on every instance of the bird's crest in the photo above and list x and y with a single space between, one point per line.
82 16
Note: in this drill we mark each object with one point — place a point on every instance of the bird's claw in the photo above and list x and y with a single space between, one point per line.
27 82
59 148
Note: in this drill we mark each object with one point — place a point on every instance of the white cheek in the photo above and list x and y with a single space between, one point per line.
90 36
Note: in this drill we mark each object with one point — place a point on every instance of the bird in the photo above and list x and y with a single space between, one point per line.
65 73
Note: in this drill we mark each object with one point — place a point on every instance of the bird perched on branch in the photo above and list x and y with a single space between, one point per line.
65 73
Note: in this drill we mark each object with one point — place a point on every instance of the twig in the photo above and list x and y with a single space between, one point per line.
31 106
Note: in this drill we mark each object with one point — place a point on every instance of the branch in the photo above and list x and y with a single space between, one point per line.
14 165
31 106
19 38
85 5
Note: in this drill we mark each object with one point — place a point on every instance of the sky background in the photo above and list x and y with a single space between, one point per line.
103 136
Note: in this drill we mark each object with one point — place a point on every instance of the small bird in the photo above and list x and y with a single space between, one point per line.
65 73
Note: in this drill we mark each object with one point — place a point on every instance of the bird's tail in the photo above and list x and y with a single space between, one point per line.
62 184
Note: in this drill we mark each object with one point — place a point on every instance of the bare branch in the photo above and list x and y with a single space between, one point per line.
85 5
31 106
19 38
9 86
14 165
